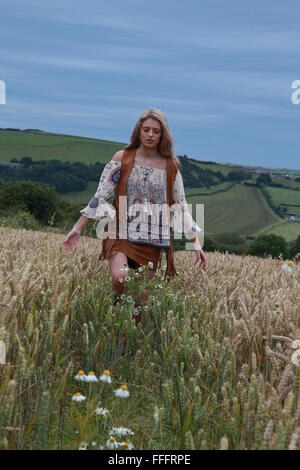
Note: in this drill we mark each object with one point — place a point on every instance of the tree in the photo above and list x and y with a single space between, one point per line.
295 248
39 199
264 179
270 244
27 161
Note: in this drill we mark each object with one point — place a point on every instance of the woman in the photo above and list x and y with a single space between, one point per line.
146 173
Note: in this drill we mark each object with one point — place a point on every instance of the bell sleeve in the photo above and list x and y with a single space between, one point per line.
99 208
181 219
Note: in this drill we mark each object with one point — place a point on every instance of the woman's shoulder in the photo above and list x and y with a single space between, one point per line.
118 156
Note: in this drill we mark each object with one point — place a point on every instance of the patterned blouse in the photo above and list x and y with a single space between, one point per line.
146 189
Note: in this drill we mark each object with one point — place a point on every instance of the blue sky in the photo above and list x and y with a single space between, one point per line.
220 70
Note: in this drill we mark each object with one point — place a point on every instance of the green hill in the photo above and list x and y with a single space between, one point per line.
46 146
242 209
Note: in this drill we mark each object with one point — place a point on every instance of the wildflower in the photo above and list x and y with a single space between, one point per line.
296 344
130 299
101 411
296 357
91 377
136 274
121 431
83 446
105 377
111 443
78 397
141 269
135 311
120 279
123 296
287 266
122 392
80 376
126 445
127 278
150 264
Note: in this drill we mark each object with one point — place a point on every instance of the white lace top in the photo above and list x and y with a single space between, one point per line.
146 190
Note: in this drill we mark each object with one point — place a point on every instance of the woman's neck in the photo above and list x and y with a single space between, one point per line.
144 153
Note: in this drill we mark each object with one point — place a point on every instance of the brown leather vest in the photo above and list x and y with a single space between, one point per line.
126 167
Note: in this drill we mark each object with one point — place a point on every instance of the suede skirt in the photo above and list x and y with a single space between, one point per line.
138 254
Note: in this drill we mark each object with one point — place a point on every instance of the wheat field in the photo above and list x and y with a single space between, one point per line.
211 367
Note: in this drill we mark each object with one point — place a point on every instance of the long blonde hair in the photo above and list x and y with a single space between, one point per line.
165 146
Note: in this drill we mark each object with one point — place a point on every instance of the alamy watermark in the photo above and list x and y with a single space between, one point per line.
2 352
295 98
2 92
151 222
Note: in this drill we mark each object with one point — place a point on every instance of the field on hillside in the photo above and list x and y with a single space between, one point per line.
288 230
242 209
14 144
286 196
210 368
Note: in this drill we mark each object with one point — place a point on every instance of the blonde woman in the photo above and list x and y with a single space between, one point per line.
146 174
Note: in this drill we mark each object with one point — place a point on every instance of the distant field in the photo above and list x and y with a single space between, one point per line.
286 196
218 187
242 209
289 183
14 144
214 167
82 197
289 230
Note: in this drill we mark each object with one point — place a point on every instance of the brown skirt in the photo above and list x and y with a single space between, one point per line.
141 253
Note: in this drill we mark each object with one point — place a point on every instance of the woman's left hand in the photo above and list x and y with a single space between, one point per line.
201 258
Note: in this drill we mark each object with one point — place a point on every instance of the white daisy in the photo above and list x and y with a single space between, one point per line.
105 377
121 431
78 397
130 299
126 445
111 443
127 278
122 392
296 357
287 268
83 446
101 411
80 376
91 377
296 344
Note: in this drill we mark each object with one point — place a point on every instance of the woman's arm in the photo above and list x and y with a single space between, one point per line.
190 226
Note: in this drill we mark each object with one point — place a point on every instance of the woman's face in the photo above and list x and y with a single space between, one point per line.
150 133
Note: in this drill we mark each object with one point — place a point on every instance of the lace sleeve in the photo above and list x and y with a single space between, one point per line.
98 207
181 211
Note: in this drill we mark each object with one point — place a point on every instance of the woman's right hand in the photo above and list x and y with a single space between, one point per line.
71 240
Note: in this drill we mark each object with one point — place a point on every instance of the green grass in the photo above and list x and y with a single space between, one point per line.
286 196
214 167
189 192
46 146
288 230
82 197
242 210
